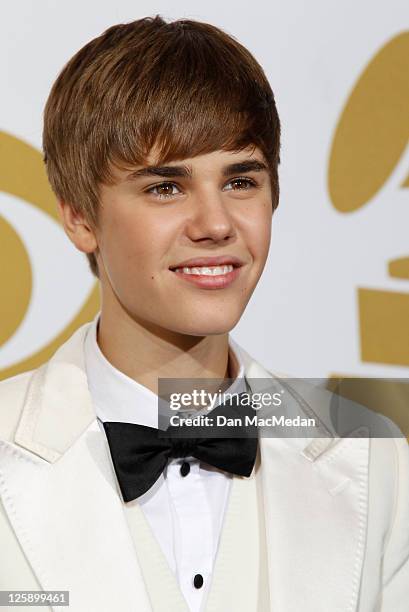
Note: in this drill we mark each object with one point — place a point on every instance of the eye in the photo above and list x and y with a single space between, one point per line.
240 184
164 190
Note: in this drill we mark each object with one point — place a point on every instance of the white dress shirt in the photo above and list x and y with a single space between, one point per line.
185 512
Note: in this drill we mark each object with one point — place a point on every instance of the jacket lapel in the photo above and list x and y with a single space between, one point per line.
60 492
70 524
315 505
61 496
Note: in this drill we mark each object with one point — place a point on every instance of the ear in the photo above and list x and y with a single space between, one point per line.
78 228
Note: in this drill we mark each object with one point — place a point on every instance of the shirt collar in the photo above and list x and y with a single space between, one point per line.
117 397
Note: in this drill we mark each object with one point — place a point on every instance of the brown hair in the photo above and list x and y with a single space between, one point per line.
185 87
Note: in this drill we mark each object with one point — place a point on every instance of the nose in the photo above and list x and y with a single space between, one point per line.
210 219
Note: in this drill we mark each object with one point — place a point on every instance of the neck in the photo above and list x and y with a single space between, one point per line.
145 352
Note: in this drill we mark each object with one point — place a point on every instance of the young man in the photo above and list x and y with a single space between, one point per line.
161 142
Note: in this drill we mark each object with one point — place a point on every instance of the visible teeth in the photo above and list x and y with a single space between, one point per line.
210 271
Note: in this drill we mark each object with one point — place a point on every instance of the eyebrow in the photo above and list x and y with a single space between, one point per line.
163 171
247 165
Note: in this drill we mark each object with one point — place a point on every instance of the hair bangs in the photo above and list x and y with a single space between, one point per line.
188 99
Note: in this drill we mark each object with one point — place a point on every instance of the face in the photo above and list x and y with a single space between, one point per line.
156 220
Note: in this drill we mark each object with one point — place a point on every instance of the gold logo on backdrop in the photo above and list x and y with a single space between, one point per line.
370 138
23 175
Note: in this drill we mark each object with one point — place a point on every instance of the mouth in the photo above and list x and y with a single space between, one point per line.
209 277
206 270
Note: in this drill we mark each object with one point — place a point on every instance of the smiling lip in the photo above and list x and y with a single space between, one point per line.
204 281
199 262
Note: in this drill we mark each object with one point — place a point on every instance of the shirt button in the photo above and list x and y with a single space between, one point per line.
185 468
198 581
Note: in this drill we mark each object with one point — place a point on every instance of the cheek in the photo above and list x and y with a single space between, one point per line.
135 243
258 230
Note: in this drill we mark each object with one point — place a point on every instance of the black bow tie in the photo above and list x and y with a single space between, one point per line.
139 454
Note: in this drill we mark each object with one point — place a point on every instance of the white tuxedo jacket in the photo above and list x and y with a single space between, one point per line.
322 524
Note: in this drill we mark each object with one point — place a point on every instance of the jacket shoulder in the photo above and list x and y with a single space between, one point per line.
13 392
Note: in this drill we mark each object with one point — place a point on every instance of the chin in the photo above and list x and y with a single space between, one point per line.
210 327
